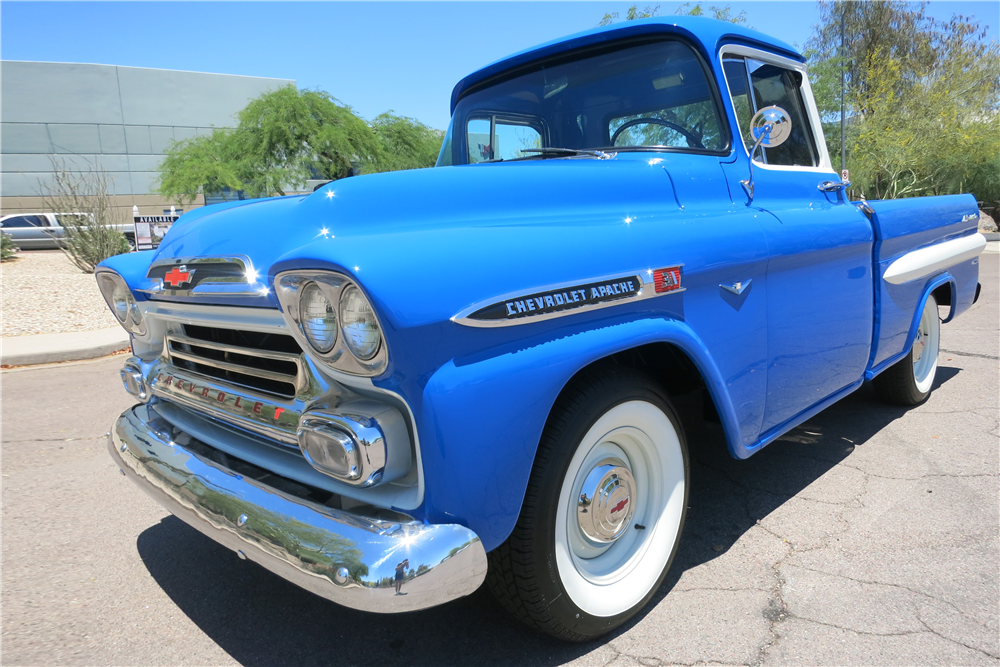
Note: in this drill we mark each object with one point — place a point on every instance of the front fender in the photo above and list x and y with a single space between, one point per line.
482 419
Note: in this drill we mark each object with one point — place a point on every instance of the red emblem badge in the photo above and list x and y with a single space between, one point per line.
620 506
668 279
178 276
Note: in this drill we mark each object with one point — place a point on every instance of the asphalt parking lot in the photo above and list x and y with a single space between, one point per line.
868 536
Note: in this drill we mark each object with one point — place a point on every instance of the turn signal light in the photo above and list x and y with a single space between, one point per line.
134 382
329 449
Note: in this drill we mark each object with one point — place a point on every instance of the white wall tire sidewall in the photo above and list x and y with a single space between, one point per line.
637 559
923 373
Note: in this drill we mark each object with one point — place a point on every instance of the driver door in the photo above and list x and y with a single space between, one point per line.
820 307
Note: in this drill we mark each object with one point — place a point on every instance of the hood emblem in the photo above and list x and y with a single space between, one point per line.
178 276
217 276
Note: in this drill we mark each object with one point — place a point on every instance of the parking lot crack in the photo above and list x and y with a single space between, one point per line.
776 610
953 640
869 582
970 354
617 654
860 632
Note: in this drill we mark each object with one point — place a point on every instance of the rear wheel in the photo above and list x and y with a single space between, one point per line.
603 510
909 381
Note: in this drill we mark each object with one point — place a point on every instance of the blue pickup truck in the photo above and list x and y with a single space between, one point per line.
403 385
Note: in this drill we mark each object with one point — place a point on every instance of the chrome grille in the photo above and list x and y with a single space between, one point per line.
263 362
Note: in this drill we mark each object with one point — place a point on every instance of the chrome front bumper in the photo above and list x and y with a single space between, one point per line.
340 555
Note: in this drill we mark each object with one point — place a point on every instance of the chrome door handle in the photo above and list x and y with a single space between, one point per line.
833 186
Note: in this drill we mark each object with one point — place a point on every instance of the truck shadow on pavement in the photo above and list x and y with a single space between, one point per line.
260 619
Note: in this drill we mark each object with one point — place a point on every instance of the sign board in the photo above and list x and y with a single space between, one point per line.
150 229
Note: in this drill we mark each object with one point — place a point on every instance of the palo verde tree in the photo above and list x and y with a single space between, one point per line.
284 138
922 98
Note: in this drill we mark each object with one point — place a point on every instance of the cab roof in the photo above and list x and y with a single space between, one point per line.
706 32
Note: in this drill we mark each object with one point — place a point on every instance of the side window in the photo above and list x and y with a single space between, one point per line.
772 85
24 221
736 77
500 138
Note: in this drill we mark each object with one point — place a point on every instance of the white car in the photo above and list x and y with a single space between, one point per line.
35 231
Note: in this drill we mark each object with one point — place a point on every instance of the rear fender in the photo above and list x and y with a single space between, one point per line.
921 244
482 419
911 333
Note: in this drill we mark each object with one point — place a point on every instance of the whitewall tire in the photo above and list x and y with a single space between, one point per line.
909 381
603 512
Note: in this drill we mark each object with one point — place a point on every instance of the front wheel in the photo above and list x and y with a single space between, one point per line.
909 380
603 510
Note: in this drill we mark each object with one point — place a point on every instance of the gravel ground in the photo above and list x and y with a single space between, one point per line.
42 292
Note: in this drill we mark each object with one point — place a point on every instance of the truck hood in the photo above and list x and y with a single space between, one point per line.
425 244
513 194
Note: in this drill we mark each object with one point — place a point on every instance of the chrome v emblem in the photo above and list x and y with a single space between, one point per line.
737 288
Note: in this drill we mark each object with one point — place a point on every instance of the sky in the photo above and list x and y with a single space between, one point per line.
373 56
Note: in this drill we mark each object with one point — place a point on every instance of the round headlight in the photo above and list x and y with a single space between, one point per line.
120 301
319 319
361 332
117 295
134 314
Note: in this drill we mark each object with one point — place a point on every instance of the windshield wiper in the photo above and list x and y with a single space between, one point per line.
553 151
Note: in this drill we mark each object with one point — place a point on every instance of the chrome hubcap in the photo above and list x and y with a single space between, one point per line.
918 345
606 501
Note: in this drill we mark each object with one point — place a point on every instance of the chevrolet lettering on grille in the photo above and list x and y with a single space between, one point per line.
241 408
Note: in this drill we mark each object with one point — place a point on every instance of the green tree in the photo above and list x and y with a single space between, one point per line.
724 13
922 99
405 143
207 164
286 137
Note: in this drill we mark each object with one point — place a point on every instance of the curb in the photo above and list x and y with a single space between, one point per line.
991 236
51 348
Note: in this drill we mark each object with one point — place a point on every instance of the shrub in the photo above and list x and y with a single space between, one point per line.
88 242
7 248
84 207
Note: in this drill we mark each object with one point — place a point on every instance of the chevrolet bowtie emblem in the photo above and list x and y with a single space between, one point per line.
178 276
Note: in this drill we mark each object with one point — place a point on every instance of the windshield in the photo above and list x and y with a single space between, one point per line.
653 96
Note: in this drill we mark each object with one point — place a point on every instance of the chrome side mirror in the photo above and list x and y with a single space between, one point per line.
771 127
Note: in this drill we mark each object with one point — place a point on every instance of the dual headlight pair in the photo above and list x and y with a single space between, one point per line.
334 318
121 302
357 321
